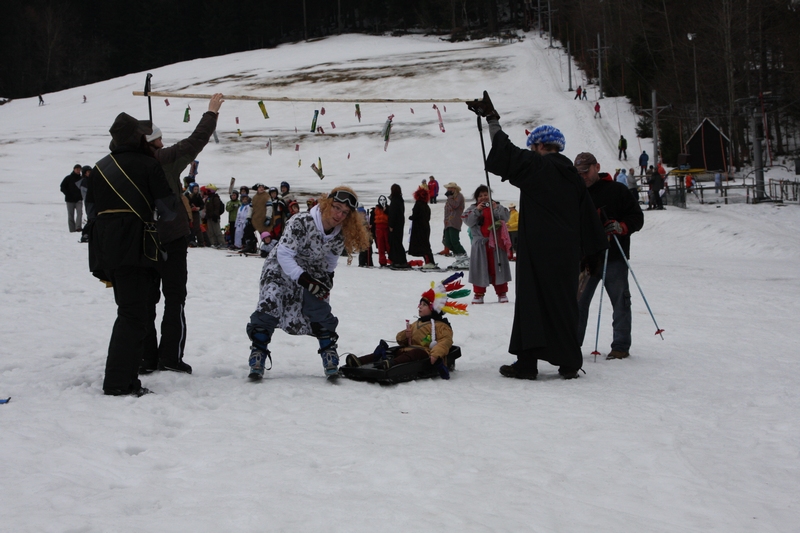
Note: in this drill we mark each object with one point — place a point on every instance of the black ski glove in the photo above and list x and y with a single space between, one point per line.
483 108
313 285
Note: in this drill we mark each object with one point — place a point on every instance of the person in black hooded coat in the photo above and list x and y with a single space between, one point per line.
419 244
123 190
397 215
558 225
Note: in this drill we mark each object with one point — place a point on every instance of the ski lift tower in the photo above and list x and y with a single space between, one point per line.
756 107
653 113
599 51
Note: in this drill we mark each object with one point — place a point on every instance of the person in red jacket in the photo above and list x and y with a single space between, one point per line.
433 189
379 224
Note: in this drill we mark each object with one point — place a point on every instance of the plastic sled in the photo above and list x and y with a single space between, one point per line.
422 369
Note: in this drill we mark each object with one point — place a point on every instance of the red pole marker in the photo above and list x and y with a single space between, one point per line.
321 110
333 126
237 120
296 147
412 110
166 101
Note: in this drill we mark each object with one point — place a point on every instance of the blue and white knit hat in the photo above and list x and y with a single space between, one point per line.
547 134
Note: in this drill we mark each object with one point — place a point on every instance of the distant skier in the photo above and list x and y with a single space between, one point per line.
578 93
41 100
623 148
597 110
643 160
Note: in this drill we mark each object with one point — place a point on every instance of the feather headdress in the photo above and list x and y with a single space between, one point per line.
441 296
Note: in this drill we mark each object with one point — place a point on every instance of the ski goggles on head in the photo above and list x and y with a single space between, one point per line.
344 197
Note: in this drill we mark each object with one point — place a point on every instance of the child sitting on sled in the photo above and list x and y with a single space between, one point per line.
431 336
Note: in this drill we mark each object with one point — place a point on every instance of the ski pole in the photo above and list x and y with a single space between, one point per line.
489 186
659 331
147 94
600 310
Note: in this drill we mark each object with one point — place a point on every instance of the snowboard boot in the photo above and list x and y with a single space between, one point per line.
258 360
617 354
352 361
327 351
259 353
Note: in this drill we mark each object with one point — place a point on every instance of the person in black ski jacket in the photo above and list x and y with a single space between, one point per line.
74 199
621 216
124 189
174 235
558 224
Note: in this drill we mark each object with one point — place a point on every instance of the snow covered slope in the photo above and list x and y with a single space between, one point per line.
696 432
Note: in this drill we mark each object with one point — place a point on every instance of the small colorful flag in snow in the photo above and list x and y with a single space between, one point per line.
333 126
237 120
314 121
441 123
296 147
166 101
318 169
412 110
299 163
387 131
320 130
269 146
186 114
358 112
239 132
322 111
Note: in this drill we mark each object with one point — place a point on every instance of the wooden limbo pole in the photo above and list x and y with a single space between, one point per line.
312 100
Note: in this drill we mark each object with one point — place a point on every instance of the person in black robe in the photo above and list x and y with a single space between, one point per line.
419 244
397 215
558 226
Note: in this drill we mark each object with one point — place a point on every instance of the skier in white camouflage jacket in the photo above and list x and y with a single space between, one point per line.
298 275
